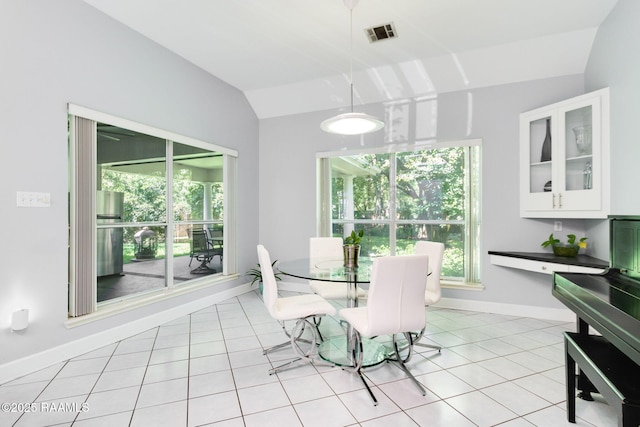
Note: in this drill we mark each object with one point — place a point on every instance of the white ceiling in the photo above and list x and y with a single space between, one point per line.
292 56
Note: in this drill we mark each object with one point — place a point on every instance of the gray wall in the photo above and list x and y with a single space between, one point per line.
66 51
615 62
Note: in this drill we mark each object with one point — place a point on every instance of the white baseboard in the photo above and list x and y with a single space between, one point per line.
545 313
26 365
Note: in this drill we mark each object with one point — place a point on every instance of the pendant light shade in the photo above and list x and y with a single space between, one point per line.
351 123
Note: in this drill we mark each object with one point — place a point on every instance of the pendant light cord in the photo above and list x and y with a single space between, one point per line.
351 54
351 123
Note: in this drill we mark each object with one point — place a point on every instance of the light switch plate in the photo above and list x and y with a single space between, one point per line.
31 199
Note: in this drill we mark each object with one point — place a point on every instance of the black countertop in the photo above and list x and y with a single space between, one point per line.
581 260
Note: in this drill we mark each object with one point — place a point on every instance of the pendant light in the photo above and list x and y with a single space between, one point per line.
351 123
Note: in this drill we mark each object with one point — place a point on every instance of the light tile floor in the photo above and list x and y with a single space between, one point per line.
208 369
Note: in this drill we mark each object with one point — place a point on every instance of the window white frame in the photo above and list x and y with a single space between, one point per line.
82 241
472 219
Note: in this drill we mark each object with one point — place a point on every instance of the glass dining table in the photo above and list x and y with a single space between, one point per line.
339 349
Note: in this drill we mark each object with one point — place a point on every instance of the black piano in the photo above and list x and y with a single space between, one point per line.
606 347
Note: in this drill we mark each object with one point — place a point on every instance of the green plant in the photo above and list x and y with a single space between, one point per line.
256 273
354 238
571 240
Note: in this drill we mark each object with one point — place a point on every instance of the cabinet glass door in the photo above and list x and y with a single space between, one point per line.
540 154
578 158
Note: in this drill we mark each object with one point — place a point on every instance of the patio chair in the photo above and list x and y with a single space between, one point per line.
215 237
202 251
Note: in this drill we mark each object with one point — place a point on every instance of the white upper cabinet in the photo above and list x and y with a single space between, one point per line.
564 159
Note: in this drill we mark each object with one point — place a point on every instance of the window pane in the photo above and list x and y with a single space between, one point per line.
360 187
452 235
197 250
133 164
141 268
131 188
428 194
375 241
198 201
430 184
197 184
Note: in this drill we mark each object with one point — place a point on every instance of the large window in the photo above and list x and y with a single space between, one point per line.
402 197
140 200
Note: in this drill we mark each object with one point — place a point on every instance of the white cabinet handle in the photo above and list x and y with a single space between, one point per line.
553 200
560 200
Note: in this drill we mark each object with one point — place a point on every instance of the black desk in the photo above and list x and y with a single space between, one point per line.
578 260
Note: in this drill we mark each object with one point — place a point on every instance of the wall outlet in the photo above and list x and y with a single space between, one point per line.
557 226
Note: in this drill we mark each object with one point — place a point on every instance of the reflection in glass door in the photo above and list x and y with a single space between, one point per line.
540 156
579 149
131 168
198 204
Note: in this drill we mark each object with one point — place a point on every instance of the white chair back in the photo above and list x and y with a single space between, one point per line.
325 248
435 252
396 295
269 284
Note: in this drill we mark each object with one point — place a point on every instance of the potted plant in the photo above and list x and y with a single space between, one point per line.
351 248
256 275
568 249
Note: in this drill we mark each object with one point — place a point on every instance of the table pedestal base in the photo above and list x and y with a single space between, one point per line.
336 351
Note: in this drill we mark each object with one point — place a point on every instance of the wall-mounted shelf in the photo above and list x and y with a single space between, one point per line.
547 263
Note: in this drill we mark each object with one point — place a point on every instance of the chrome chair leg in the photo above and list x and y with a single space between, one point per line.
316 323
357 355
373 397
394 357
279 367
295 341
275 347
419 336
410 376
284 344
435 347
297 331
400 361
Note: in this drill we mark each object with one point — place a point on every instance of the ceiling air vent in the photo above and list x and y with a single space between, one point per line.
385 31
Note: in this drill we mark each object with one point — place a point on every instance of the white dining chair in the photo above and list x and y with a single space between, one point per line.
394 307
328 249
433 292
302 309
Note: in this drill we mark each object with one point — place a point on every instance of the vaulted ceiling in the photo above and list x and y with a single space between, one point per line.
293 56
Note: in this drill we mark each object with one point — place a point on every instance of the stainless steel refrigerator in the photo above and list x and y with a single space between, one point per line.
109 210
